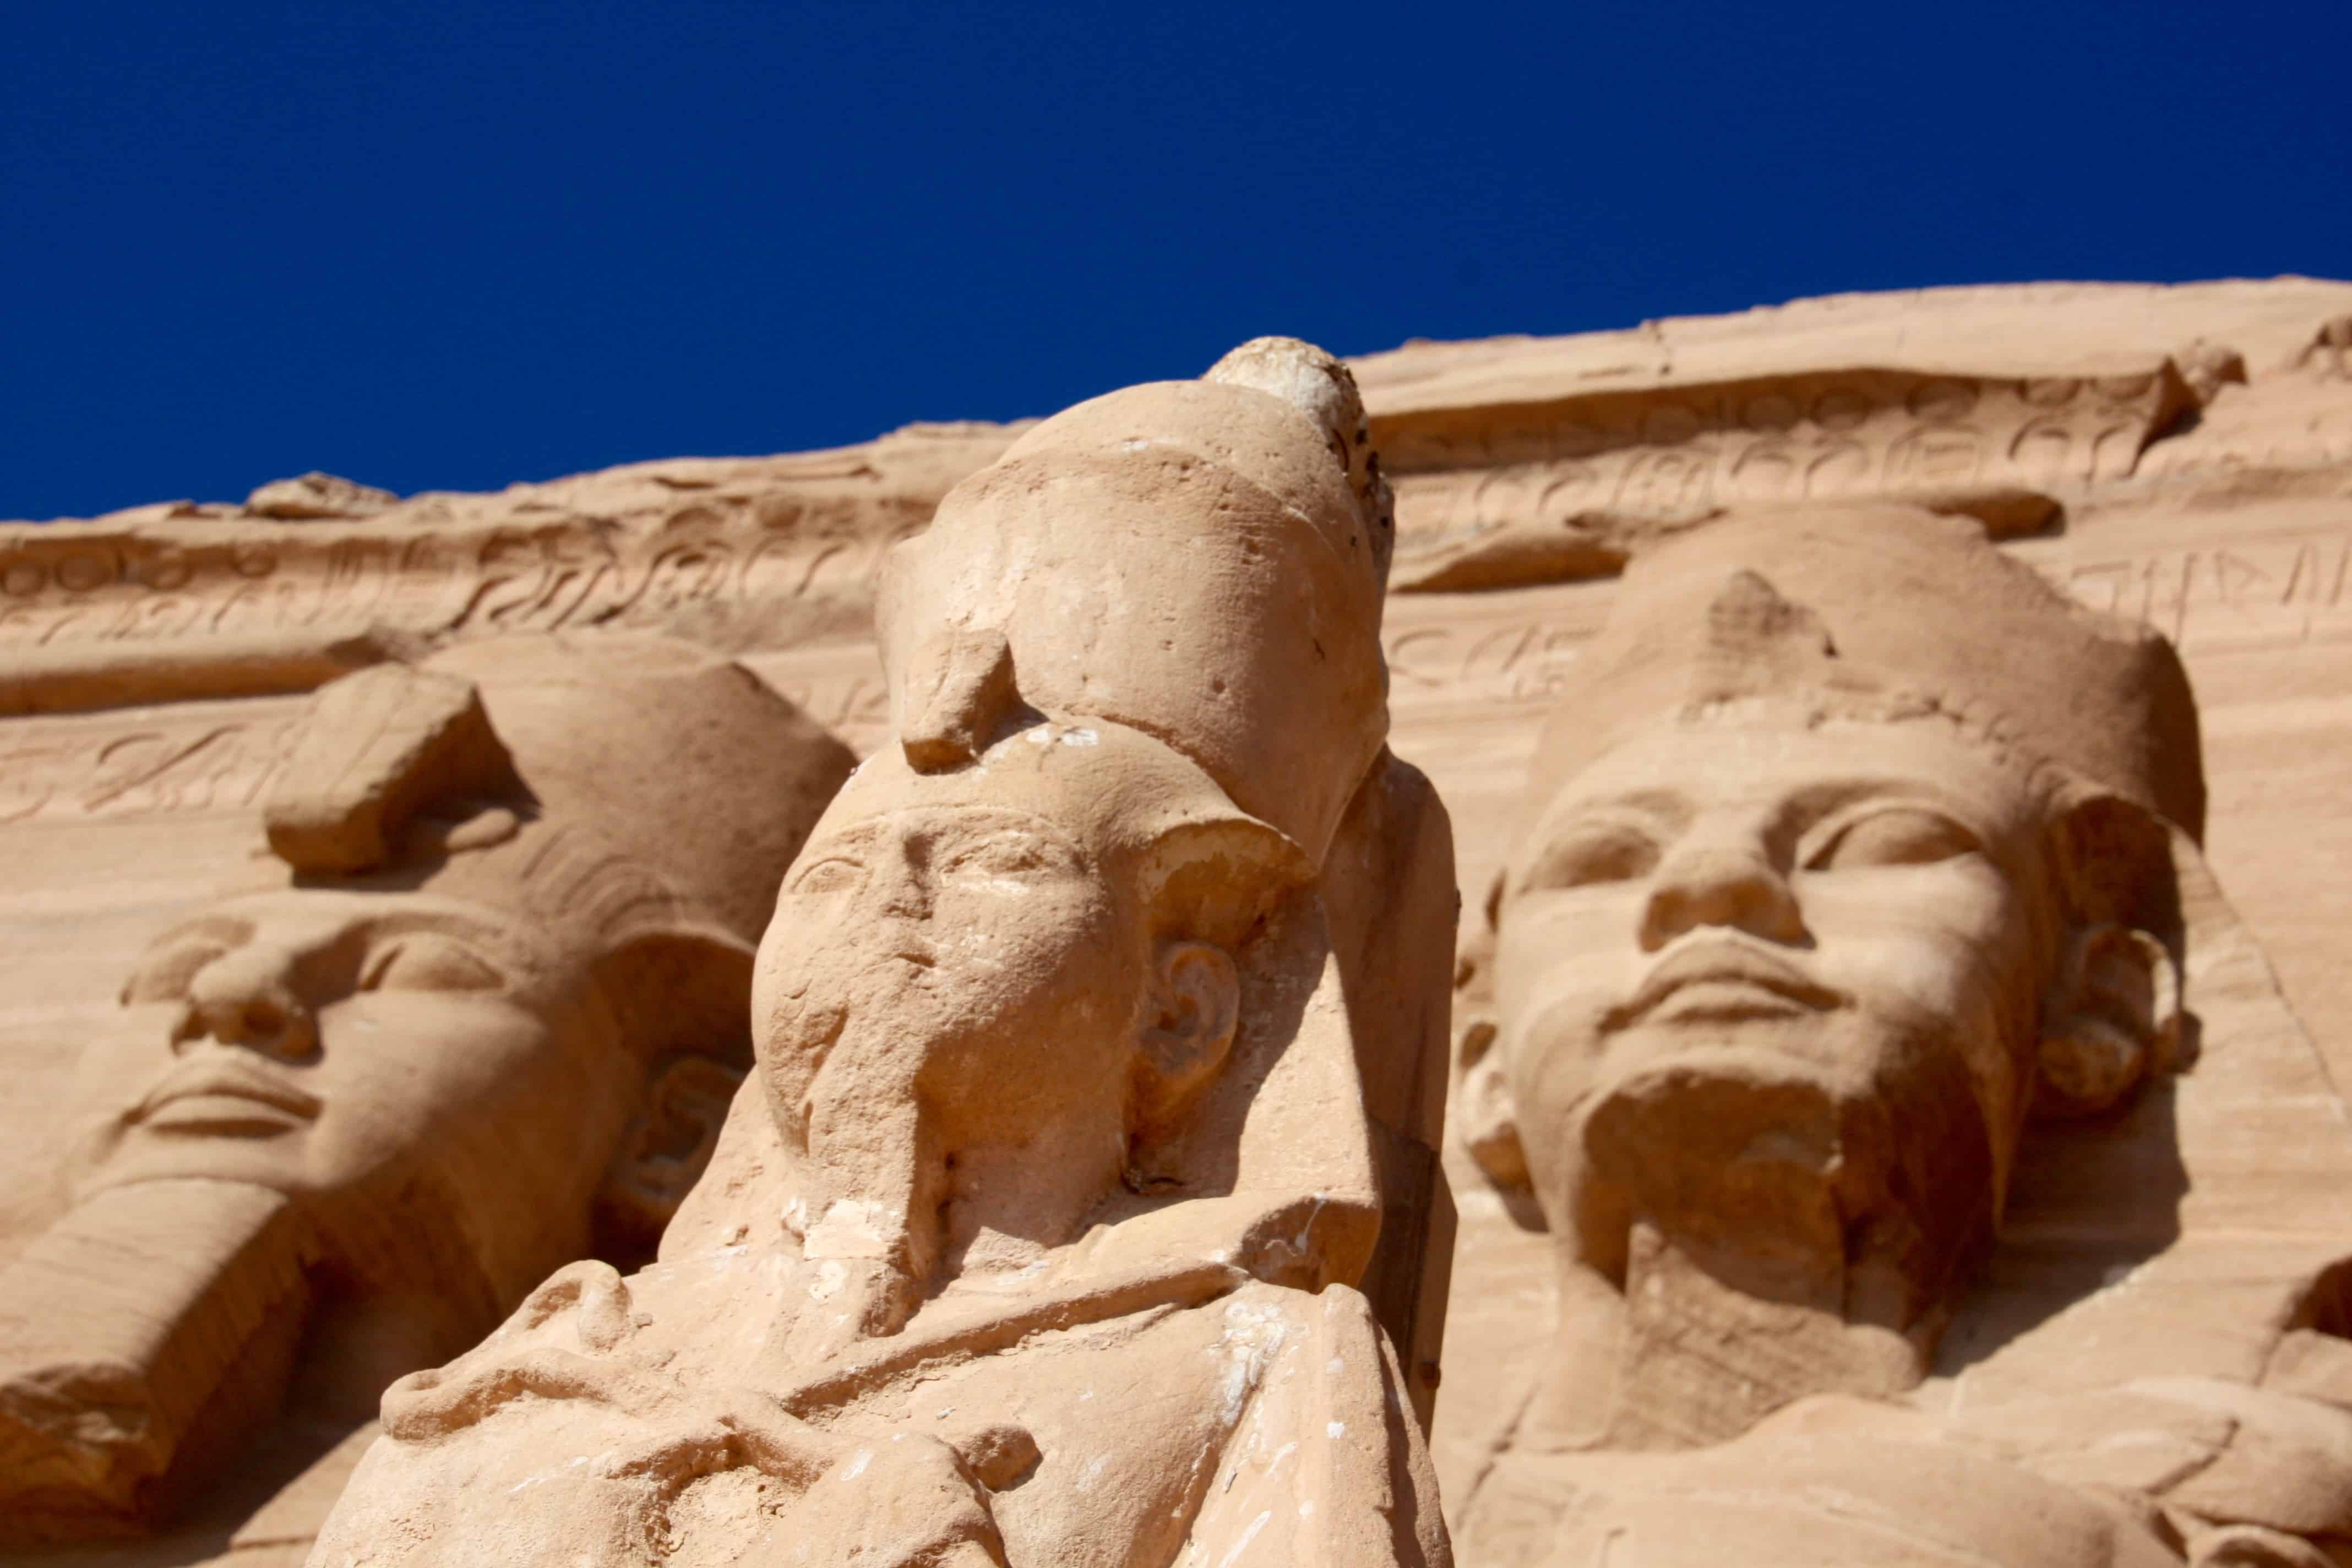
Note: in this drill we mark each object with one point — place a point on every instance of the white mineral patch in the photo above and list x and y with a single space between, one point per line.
852 1228
1253 1335
1247 1536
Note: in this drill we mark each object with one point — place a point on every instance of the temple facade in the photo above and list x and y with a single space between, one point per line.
2176 459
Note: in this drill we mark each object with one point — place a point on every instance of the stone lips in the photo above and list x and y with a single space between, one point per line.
467 1029
1842 912
2224 533
1059 1086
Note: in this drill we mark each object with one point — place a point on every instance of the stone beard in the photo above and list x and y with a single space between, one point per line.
984 1079
1770 983
1822 908
1036 1237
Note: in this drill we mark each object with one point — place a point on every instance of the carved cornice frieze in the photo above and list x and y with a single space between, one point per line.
180 601
1490 495
1503 480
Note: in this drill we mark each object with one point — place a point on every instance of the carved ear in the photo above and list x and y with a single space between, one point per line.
1485 1117
2112 1018
686 991
2112 1014
663 1153
681 1000
1189 1019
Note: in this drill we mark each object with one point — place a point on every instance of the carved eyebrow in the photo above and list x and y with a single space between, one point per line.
865 829
1665 807
1803 809
993 825
850 835
1012 816
363 924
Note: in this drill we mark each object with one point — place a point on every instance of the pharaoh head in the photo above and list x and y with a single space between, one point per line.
485 1002
1032 975
1136 678
1848 856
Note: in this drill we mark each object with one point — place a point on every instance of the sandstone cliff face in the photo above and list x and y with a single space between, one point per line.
2178 455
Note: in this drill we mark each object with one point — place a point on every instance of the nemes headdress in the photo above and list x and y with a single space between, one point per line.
1157 619
1891 612
639 785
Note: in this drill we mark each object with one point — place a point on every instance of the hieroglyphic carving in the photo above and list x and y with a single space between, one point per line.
2267 593
501 580
222 757
752 553
2276 592
1601 462
1523 661
165 761
154 771
2264 442
1701 1045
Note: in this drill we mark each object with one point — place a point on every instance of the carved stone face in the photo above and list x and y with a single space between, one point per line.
947 1002
334 1044
1770 985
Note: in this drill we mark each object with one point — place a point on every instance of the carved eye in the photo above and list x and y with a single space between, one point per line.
166 975
1898 835
1008 857
423 962
1590 853
836 874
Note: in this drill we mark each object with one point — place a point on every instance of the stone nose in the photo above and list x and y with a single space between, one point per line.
249 998
903 885
1736 886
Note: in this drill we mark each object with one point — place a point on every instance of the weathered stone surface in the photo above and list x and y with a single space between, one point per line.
1035 1236
2177 456
2226 536
462 1023
1851 880
317 495
741 554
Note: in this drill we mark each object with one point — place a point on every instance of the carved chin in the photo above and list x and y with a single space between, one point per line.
1785 1186
229 1141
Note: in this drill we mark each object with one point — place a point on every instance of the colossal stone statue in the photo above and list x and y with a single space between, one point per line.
480 1014
1034 1239
1837 1035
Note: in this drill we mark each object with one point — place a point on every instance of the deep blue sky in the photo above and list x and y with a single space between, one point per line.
452 246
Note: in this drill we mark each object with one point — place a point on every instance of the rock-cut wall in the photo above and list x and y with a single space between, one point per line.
2178 455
